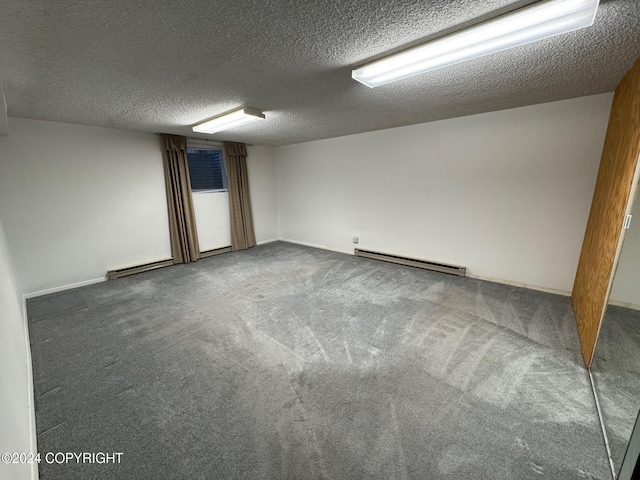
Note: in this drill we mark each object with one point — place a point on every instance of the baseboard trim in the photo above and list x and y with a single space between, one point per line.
271 240
315 245
215 251
631 306
31 407
528 286
62 288
125 272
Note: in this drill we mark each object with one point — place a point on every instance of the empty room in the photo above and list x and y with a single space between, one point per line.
319 240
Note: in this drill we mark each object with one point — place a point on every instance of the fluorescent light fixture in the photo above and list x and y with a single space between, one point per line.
542 20
229 120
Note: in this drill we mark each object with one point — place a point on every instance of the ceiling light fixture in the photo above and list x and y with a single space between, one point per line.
229 120
539 21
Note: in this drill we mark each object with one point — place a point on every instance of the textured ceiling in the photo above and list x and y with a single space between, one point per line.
163 65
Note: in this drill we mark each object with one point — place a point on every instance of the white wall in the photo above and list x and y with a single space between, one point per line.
506 193
15 414
77 201
261 167
626 284
212 219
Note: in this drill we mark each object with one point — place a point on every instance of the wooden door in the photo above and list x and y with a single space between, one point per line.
608 208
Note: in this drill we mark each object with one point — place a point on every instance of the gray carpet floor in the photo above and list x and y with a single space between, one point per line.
616 375
287 362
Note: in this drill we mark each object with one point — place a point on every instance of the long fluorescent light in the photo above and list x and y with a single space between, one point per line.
229 120
542 20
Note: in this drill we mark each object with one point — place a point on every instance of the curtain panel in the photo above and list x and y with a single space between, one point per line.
242 232
182 221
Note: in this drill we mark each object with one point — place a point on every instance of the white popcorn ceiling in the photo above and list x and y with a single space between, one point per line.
162 66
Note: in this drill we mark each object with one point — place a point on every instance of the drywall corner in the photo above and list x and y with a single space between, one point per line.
261 165
17 420
4 118
33 437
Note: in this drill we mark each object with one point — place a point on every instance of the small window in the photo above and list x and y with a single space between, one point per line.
206 170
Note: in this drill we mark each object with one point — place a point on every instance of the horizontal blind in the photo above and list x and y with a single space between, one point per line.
205 169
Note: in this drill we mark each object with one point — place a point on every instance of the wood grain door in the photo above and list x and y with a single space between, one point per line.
611 197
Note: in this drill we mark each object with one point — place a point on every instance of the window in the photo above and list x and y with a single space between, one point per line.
206 169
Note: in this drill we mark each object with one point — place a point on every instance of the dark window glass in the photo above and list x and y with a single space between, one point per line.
206 170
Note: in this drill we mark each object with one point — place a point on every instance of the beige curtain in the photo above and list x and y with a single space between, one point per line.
182 221
242 234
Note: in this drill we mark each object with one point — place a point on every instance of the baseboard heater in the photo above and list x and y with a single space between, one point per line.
215 251
124 272
413 262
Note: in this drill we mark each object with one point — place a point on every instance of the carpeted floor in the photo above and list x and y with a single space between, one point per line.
616 375
287 362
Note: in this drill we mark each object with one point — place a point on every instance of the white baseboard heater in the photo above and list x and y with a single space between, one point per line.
413 262
215 251
125 272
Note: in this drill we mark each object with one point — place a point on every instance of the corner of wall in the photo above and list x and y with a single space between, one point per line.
33 437
4 119
17 375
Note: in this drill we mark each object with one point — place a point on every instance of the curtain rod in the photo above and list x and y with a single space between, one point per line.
206 139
